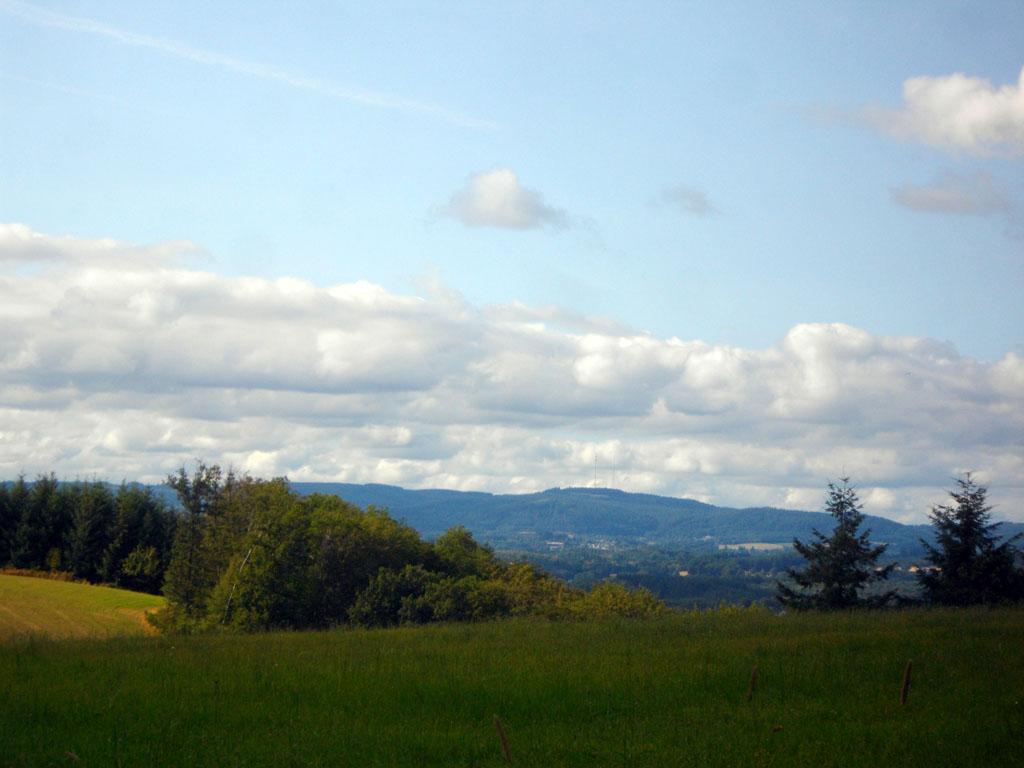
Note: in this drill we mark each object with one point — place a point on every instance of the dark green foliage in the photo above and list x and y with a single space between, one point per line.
417 596
349 547
33 535
90 534
257 556
265 583
839 567
969 563
124 531
142 570
61 501
139 541
394 597
10 516
83 529
461 555
189 576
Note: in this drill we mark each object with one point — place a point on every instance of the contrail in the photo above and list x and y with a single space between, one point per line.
46 18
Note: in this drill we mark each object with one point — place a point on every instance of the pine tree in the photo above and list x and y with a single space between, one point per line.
8 525
840 566
969 564
125 532
90 535
32 537
17 504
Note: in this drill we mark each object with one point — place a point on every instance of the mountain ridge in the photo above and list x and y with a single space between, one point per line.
607 514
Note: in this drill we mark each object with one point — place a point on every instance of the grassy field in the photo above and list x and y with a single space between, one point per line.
62 609
670 692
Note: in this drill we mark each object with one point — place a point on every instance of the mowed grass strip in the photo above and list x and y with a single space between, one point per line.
671 692
45 608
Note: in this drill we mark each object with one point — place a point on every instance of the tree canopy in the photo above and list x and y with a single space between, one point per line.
840 567
87 529
259 556
968 563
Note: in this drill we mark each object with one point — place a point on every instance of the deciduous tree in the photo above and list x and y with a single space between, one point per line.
188 580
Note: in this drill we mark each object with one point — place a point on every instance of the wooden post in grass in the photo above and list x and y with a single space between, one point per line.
503 739
905 688
752 685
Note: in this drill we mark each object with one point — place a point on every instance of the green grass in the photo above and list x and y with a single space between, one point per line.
63 609
656 693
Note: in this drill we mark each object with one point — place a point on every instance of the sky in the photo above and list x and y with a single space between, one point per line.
726 251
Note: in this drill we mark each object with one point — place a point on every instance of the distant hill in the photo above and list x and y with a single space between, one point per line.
596 514
600 516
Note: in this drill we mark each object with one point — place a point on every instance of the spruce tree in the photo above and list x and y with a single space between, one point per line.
90 534
125 532
969 564
32 537
17 504
840 566
8 525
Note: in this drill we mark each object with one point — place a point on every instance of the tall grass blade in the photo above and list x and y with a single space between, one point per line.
752 685
905 688
505 751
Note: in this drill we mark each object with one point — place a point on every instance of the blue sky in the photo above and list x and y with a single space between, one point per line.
710 172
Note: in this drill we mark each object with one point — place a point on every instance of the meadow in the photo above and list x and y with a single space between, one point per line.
666 692
65 609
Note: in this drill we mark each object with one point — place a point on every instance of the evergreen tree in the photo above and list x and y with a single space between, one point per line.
158 529
59 515
840 566
90 535
17 503
32 538
8 525
130 507
969 564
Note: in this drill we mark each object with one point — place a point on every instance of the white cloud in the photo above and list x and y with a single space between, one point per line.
496 199
976 194
957 112
126 367
20 244
690 200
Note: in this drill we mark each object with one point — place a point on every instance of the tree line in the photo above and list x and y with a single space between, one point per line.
86 530
252 554
968 564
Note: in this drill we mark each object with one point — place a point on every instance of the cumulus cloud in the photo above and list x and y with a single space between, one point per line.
126 367
957 112
20 244
689 200
497 199
976 194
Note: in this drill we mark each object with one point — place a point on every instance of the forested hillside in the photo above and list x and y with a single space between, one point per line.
524 521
